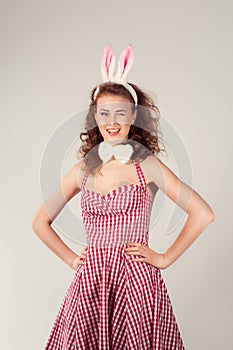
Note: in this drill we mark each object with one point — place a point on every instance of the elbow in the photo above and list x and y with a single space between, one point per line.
211 216
35 225
38 224
208 215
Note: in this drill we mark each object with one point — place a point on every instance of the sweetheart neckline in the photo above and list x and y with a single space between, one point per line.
115 190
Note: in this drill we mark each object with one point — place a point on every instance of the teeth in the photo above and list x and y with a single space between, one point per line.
113 130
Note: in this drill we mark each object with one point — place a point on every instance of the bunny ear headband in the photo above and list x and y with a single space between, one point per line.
124 66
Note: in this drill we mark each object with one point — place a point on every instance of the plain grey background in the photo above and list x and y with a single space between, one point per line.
50 54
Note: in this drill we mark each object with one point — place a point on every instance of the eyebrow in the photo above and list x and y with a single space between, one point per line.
119 110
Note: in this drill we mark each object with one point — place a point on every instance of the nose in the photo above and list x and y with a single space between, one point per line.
112 118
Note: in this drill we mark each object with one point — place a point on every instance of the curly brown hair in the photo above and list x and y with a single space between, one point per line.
144 134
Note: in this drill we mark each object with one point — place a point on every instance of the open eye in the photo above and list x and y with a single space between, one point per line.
104 114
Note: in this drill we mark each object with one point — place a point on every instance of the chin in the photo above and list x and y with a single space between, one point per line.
116 137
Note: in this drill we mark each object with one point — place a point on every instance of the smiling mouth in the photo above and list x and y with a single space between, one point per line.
114 131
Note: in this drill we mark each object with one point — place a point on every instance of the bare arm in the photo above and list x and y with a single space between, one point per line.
200 214
41 224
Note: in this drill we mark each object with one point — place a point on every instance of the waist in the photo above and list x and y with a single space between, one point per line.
116 238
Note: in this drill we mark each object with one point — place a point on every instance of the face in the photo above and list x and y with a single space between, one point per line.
114 116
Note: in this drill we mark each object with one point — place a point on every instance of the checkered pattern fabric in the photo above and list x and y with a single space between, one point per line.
113 302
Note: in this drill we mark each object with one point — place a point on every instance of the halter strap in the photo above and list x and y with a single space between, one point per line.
140 174
84 180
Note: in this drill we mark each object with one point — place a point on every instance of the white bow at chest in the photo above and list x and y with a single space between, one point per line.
120 152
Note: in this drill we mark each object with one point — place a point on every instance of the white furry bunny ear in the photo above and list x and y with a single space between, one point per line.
107 64
124 64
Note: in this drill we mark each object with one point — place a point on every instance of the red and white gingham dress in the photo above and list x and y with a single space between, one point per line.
113 302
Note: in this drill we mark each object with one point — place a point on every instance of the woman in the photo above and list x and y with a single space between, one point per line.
118 298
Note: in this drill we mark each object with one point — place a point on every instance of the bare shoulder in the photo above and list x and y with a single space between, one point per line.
68 187
76 174
167 181
177 190
153 169
159 173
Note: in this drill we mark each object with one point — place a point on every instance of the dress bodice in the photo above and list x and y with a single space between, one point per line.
120 216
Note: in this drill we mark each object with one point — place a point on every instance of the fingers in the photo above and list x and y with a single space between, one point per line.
135 244
80 259
142 251
135 252
84 251
83 255
139 259
136 248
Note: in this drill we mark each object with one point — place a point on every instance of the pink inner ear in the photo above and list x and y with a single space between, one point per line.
126 58
108 61
107 58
